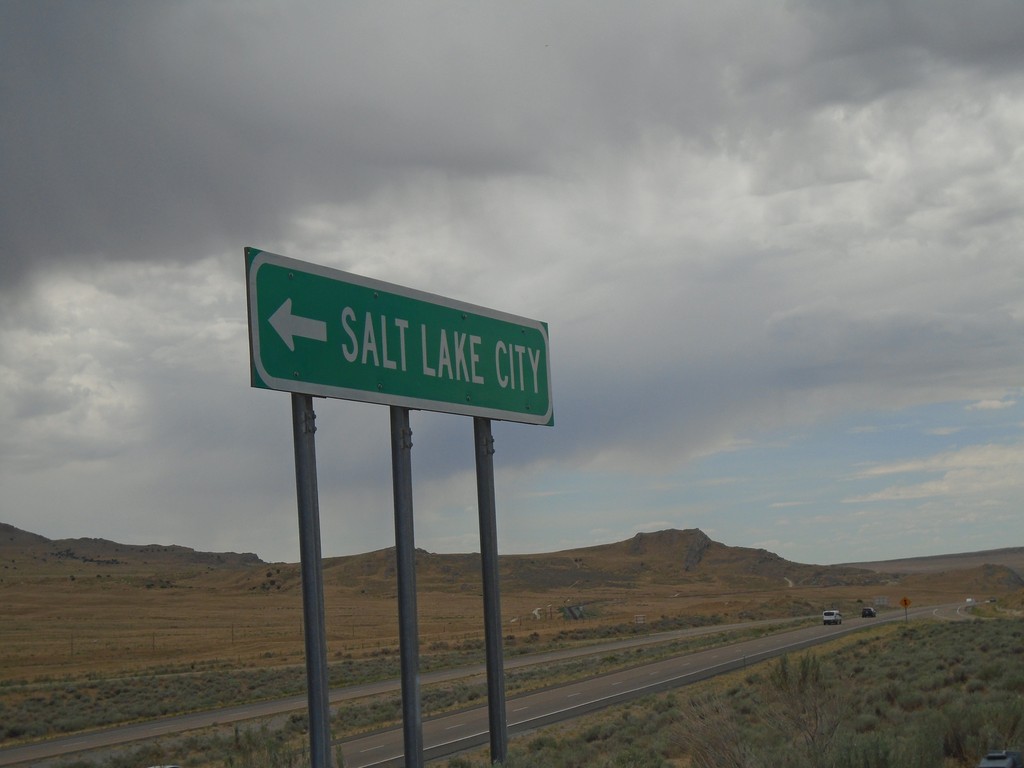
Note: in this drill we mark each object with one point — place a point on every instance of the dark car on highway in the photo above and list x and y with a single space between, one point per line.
868 613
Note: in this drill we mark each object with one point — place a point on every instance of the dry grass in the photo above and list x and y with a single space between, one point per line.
88 607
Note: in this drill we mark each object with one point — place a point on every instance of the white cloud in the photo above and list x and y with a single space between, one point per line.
983 471
991 405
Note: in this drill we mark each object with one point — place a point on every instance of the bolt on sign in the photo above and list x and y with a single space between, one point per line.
324 332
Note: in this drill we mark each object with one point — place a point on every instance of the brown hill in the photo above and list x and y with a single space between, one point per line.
670 557
670 561
1009 557
31 551
667 558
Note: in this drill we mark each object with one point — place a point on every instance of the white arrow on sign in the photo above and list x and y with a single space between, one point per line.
288 326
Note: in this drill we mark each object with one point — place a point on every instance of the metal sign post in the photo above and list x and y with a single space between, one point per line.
306 494
405 554
492 596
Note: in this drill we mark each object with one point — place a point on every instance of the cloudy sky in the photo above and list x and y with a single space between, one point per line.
778 247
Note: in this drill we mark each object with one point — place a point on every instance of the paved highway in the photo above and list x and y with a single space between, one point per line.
452 733
449 734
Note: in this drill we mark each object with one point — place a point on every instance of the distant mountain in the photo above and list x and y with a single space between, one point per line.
676 557
18 544
17 538
669 558
1010 557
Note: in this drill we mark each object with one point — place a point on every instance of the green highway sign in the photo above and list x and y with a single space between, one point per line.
321 331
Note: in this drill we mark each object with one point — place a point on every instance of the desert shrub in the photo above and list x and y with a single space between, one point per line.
541 743
919 740
359 715
910 699
636 756
436 699
874 751
914 702
956 676
865 722
934 681
1013 682
598 732
991 671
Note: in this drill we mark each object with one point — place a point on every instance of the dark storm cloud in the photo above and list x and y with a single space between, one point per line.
140 128
739 218
135 129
